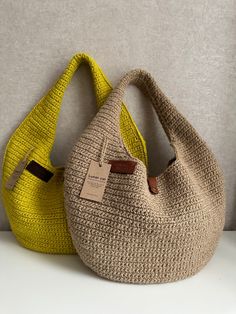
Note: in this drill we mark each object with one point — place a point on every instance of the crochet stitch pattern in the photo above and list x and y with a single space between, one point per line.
135 236
35 208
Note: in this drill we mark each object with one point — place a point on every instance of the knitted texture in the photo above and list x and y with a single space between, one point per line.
35 208
135 236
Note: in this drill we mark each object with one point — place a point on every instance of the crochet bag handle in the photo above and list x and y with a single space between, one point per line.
42 121
51 103
57 92
174 124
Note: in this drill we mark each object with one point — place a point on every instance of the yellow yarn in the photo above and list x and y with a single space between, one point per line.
36 209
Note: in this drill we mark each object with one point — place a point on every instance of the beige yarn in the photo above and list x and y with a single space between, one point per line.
135 236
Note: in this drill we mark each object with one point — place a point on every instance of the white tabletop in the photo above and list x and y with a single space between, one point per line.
39 283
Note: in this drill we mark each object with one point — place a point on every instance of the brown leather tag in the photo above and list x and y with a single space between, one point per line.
123 166
152 183
39 171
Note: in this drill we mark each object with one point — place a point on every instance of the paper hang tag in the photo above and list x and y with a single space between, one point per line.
95 181
14 177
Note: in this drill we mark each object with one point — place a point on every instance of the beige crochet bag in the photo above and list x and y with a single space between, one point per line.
143 230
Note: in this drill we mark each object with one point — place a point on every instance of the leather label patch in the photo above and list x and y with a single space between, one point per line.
152 183
39 171
95 181
123 166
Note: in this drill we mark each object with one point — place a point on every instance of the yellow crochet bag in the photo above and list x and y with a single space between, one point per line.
32 188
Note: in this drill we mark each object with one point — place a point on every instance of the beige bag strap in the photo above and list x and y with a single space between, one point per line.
174 124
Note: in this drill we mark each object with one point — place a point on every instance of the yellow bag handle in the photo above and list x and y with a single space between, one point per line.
45 114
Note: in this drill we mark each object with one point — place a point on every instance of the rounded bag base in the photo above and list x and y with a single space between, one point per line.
171 259
38 247
140 279
44 245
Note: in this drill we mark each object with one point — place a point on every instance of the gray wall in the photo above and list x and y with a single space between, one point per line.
189 47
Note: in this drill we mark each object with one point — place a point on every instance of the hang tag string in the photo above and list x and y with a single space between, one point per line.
103 152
